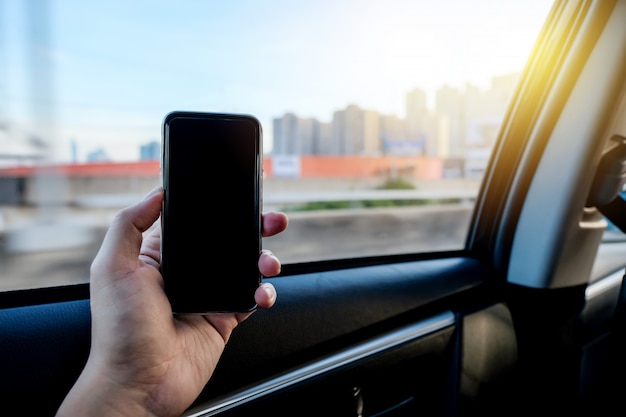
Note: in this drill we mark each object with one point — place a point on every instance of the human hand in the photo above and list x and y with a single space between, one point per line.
144 360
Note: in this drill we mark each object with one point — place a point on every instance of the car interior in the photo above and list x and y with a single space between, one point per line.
529 316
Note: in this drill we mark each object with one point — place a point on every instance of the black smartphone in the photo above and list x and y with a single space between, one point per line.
212 168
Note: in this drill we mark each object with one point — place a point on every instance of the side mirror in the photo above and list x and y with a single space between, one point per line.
608 183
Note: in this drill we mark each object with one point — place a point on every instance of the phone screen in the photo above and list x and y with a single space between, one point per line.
211 218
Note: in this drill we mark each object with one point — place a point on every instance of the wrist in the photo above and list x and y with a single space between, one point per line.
94 394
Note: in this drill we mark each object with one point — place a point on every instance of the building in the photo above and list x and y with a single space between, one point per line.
463 125
416 116
355 131
448 102
296 136
150 151
98 155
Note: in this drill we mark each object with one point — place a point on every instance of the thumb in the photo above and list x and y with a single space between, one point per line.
122 241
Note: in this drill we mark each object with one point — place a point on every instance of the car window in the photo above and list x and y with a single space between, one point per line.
378 117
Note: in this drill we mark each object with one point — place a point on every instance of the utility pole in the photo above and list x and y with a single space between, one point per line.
49 229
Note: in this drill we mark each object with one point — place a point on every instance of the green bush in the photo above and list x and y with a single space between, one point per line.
396 184
389 184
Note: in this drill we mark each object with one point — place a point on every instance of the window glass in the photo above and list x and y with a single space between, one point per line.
378 117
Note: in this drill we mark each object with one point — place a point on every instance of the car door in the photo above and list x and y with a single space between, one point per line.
525 316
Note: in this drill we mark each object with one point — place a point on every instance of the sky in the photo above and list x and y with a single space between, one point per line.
106 73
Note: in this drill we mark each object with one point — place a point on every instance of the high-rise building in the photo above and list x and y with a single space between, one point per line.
395 138
355 132
308 136
325 136
462 121
416 113
98 155
285 134
449 102
150 151
296 136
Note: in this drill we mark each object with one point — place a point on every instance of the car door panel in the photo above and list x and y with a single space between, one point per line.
318 314
379 373
44 348
321 311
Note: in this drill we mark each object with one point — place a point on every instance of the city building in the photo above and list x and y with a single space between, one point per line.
150 151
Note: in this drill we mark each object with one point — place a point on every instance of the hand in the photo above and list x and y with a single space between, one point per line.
144 361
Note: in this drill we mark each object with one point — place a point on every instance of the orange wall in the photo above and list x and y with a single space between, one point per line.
310 167
95 169
365 166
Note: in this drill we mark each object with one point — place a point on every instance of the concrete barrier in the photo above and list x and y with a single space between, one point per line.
311 236
368 232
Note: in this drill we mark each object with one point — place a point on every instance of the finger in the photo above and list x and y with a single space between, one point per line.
274 222
269 265
151 247
123 239
265 295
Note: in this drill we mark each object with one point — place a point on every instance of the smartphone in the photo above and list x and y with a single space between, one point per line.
212 171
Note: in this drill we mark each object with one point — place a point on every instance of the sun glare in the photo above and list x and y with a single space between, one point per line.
443 48
311 59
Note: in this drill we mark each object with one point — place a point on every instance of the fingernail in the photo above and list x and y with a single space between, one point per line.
154 191
278 263
270 291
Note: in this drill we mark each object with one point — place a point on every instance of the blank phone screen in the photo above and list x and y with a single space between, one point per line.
211 219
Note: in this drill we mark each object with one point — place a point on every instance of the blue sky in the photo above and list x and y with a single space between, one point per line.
117 67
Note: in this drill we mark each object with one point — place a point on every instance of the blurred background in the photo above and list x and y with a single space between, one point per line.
378 119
